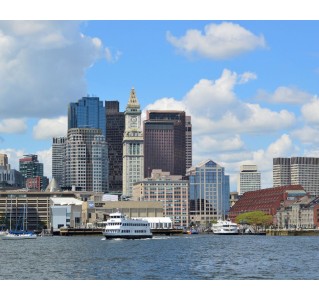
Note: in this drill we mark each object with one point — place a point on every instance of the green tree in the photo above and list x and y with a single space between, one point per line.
255 218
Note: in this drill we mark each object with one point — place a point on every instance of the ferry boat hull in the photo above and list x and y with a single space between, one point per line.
127 237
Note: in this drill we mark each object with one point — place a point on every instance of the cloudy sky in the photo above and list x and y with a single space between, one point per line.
251 87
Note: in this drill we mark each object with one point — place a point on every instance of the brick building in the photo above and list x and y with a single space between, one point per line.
266 200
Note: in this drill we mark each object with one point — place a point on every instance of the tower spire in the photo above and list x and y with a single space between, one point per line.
133 102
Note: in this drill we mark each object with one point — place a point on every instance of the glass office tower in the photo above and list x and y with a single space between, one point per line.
88 112
208 193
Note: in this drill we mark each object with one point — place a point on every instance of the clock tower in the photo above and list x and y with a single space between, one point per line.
133 146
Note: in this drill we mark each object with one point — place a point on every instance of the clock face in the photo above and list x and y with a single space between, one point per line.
134 119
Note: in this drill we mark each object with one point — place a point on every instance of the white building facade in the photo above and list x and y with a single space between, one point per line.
170 190
133 146
297 170
249 179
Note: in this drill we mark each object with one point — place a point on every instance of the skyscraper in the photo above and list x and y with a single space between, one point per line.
281 171
88 112
297 170
86 160
32 172
188 142
208 193
58 151
133 146
165 142
248 179
115 125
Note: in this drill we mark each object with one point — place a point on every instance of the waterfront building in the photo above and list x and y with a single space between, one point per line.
297 170
266 200
65 212
58 152
165 142
170 190
86 160
248 179
133 146
36 204
88 112
208 193
115 125
30 168
302 213
96 210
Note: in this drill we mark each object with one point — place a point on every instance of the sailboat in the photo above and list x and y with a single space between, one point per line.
19 235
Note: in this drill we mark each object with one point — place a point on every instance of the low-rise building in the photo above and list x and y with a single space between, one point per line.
266 200
65 212
301 213
170 190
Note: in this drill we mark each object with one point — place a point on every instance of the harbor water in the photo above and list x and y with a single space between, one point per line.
180 257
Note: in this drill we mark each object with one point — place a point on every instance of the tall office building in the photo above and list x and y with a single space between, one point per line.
86 160
189 142
133 146
58 151
4 161
208 193
165 142
32 172
297 170
248 179
115 125
281 171
88 112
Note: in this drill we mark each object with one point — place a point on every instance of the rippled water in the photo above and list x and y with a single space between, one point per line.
191 257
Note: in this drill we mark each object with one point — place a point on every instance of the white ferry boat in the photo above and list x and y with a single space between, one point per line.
225 227
119 226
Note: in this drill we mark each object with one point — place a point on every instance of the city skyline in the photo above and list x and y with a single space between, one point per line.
250 100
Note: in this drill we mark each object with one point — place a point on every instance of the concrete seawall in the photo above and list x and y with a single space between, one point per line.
287 232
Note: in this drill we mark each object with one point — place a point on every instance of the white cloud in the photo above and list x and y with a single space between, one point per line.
219 119
219 41
13 126
13 156
45 157
307 135
42 66
310 111
48 128
286 95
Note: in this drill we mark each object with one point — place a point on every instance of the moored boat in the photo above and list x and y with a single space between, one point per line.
119 226
225 227
19 236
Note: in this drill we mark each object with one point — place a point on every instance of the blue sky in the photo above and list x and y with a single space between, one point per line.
251 87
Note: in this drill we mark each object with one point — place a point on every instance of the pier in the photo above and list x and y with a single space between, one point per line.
292 232
80 231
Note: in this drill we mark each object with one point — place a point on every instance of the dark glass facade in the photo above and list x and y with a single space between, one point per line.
115 125
165 142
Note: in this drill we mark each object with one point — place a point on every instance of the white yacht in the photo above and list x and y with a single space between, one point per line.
225 227
119 226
